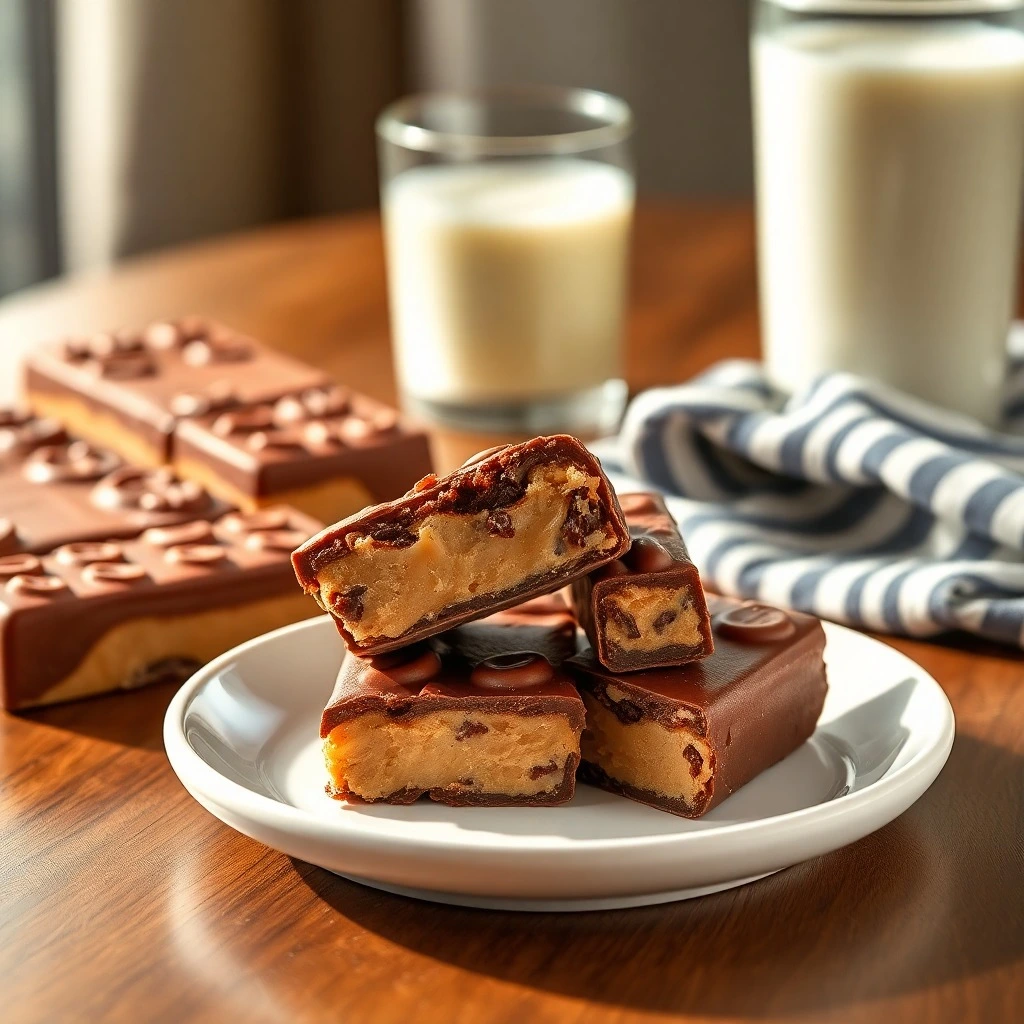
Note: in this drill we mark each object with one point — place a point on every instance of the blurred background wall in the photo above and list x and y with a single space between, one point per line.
128 125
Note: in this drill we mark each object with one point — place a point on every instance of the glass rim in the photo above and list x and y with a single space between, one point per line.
393 123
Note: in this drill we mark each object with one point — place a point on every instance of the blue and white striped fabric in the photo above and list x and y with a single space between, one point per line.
850 501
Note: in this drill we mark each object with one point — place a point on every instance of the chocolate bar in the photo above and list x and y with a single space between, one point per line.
647 608
55 491
514 523
481 715
90 617
326 451
127 390
683 739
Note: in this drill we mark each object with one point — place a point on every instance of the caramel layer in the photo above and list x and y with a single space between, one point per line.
645 754
132 646
328 501
102 429
374 756
447 564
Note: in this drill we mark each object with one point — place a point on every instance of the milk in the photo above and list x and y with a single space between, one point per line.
890 162
507 278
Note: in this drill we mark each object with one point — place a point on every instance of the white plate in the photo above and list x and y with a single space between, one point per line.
243 736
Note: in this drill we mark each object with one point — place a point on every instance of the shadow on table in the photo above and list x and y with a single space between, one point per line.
931 898
133 718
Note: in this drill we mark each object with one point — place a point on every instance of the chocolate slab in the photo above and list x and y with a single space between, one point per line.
647 608
725 719
515 523
56 491
90 617
126 390
502 669
301 443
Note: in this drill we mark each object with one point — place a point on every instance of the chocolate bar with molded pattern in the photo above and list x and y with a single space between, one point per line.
126 390
513 523
90 617
481 715
55 490
647 608
683 739
327 451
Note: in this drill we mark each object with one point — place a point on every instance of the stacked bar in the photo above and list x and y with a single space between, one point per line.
250 425
457 683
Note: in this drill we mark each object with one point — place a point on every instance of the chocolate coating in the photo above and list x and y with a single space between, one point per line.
139 378
494 483
753 700
658 561
79 592
304 439
71 492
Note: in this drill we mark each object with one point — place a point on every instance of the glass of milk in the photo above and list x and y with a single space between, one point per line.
507 219
889 141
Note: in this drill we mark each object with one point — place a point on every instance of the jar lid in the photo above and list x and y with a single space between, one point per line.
899 7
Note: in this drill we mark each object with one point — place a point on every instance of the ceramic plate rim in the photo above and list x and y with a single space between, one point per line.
202 779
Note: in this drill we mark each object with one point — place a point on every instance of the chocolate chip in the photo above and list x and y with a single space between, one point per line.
221 349
582 518
354 430
198 532
126 365
499 524
331 401
538 771
469 728
664 620
243 421
195 554
512 671
755 623
75 461
621 618
218 396
113 573
19 565
37 586
149 490
280 439
86 552
627 712
408 666
348 604
393 535
695 757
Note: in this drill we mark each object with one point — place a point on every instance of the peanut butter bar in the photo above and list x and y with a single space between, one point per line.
518 522
54 490
327 451
480 715
647 608
126 391
683 739
90 617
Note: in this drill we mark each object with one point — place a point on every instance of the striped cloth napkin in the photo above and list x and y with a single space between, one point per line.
850 500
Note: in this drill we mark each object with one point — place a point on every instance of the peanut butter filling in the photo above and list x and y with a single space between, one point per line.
644 618
374 756
327 501
447 565
674 763
130 647
102 429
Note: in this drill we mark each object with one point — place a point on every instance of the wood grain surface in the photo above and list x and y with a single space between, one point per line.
123 900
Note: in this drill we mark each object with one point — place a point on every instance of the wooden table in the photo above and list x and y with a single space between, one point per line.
122 900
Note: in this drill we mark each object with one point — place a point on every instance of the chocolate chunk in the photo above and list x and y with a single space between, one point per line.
349 603
648 608
469 728
499 524
521 491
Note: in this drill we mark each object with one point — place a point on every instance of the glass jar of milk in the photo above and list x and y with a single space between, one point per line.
507 218
890 164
